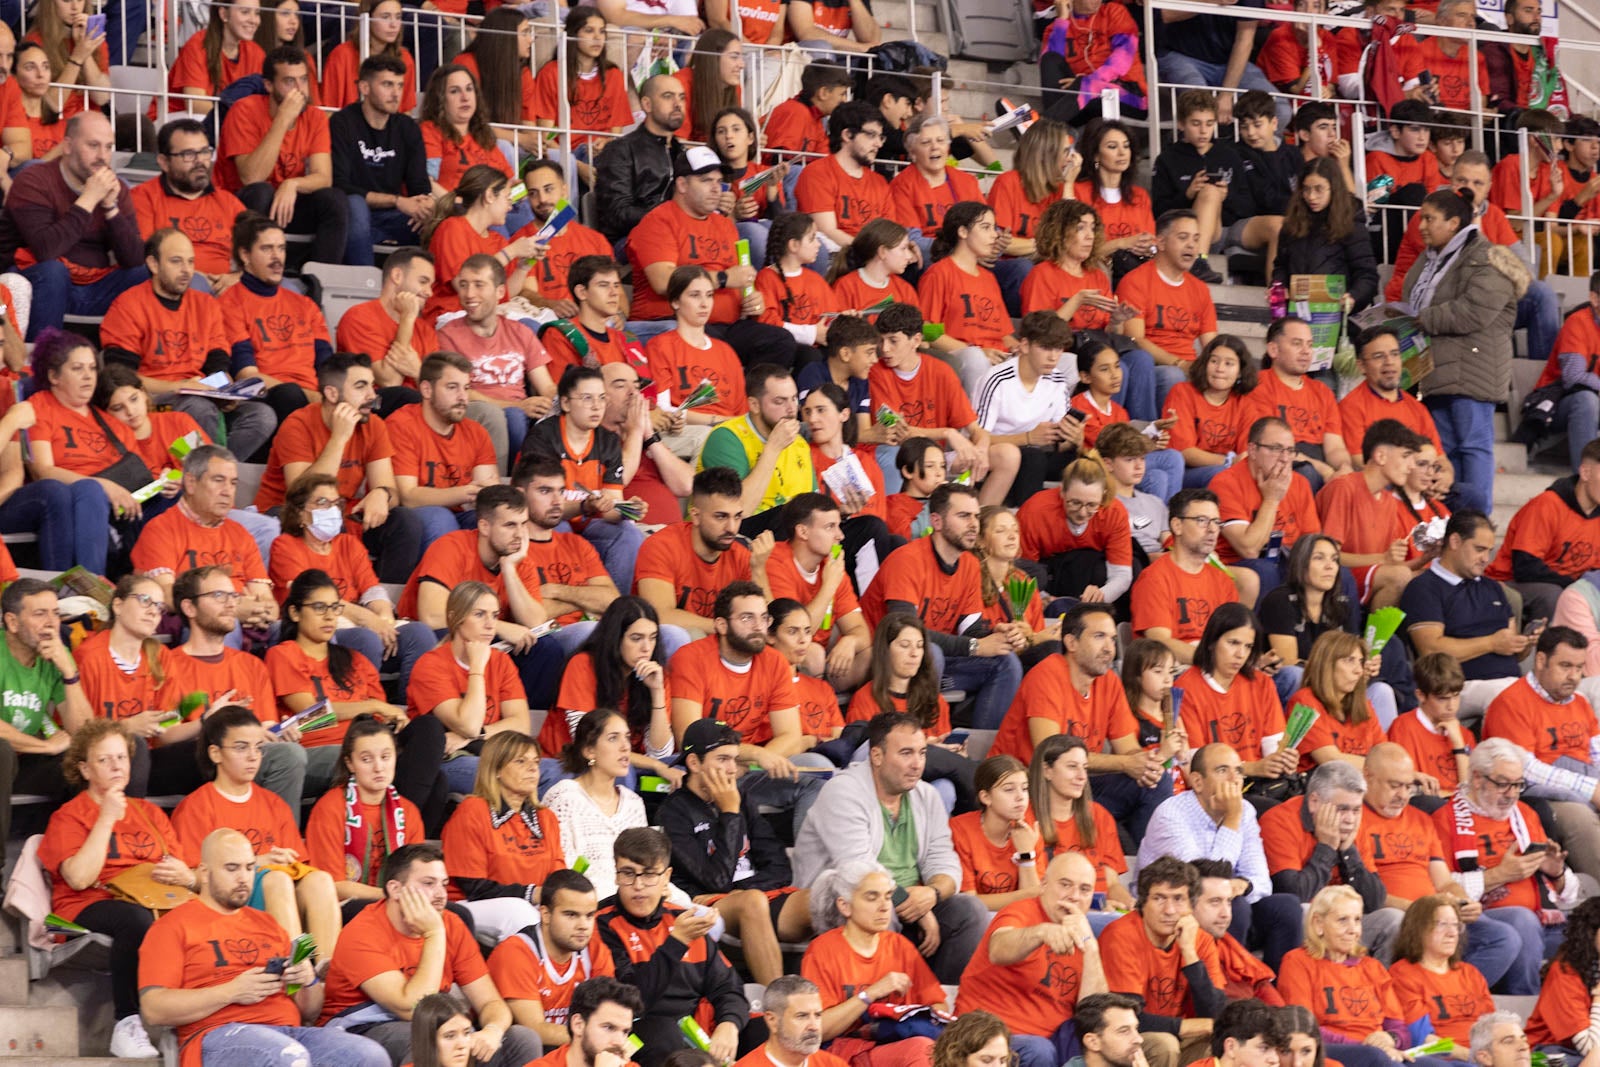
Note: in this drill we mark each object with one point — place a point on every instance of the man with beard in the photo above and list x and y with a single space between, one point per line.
937 579
683 567
173 337
1380 397
392 324
1496 846
1109 1028
548 284
183 196
67 221
1034 962
765 448
342 437
441 457
591 458
273 329
538 970
1287 391
206 600
379 164
733 677
277 156
1173 598
206 974
842 192
599 1021
1554 539
1512 85
881 809
635 173
1245 974
407 945
587 335
792 1008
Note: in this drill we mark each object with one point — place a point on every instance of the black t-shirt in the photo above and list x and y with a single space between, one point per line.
1208 38
1281 612
365 160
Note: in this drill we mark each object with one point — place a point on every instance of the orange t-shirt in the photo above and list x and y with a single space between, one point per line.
173 542
1362 523
1044 531
669 555
1167 597
1030 996
1562 1011
1201 424
566 559
795 126
370 946
78 440
744 700
1013 211
576 698
1547 730
189 70
207 220
454 558
165 428
325 836
856 294
1492 839
457 157
508 851
171 345
301 439
368 328
1310 411
1175 315
246 127
1352 998
785 579
825 186
567 247
1362 407
435 460
986 868
523 972
1398 851
1048 693
111 693
1414 170
344 63
282 330
678 367
801 299
1048 286
1548 528
1127 217
239 671
439 676
931 399
348 564
1239 501
295 672
197 947
867 454
864 707
1133 965
820 716
915 575
1105 852
1429 750
599 103
1096 418
970 306
1450 73
669 234
142 835
1350 738
611 347
261 815
1244 716
918 205
839 971
452 244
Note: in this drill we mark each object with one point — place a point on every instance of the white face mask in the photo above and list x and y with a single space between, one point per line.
326 523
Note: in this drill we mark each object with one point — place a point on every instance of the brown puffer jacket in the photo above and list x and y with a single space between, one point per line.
1469 321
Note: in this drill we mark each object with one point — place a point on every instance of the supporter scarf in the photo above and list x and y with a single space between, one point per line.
1384 72
1546 87
530 818
358 839
1435 264
1464 839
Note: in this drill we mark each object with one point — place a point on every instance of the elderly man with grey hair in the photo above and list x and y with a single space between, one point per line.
1309 839
793 1009
1497 1040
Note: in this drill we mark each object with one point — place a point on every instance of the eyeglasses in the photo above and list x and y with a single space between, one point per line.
1083 505
587 398
323 608
1504 786
145 600
192 155
1447 925
221 596
628 876
1274 450
246 748
1205 522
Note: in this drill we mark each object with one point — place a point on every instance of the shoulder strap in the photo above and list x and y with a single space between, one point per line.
122 449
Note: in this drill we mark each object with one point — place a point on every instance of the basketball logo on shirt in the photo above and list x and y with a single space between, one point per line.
706 248
519 843
1355 1000
1060 979
135 845
735 710
449 472
1230 728
555 574
1193 610
999 882
1163 995
589 112
174 344
260 840
281 327
1570 734
90 440
117 710
1306 423
234 950
1574 557
1455 1005
1175 318
196 228
1216 433
698 601
978 308
813 716
1395 845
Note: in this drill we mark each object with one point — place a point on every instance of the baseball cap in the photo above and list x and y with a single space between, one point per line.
696 160
703 735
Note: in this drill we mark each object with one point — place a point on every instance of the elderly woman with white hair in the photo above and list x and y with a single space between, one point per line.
857 962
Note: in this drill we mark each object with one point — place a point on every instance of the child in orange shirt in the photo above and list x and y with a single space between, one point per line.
1099 379
962 295
796 298
869 271
986 839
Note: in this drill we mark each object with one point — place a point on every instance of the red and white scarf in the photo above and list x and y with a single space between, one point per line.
358 838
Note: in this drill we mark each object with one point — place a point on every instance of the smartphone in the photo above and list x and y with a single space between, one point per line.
1077 413
96 26
956 737
1536 627
1536 846
276 964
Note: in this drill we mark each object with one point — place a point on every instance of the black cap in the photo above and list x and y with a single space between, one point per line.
703 735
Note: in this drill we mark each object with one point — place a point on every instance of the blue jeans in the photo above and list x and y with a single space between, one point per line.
366 227
126 20
1179 70
73 523
55 296
1011 272
1533 942
994 680
1163 473
516 431
253 1045
618 544
1129 803
1466 429
1539 312
1579 414
412 640
755 231
1200 477
1494 948
438 521
1052 1051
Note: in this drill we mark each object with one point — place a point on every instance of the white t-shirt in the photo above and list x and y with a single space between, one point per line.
1004 406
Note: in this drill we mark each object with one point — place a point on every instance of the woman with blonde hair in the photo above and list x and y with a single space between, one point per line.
1346 726
999 547
501 843
1044 172
1429 974
1080 534
1071 821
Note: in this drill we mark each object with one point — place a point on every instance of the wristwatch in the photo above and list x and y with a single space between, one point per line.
653 439
972 646
864 997
1020 858
722 279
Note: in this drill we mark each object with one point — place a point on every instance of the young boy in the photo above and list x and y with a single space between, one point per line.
1432 735
1208 178
1024 401
895 100
1414 169
1272 169
920 464
1449 141
1124 449
1316 134
796 124
852 346
1544 132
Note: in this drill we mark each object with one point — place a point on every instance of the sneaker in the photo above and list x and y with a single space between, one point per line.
130 1042
1205 272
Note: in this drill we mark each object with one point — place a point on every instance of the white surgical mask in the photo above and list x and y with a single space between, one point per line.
326 523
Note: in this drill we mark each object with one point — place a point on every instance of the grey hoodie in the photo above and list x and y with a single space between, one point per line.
846 823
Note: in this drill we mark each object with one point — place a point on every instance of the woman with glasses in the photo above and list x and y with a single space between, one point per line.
308 668
299 896
1080 534
314 538
1429 975
1346 726
590 807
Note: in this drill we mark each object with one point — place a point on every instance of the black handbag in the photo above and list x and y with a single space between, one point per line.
130 470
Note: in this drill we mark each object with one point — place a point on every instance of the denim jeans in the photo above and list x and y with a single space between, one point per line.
1179 70
1131 804
1466 429
254 1045
1200 477
412 640
1011 272
1145 385
755 231
55 296
73 523
1163 473
1532 943
1539 312
367 227
438 521
993 680
1051 1051
516 432
1493 948
1579 414
126 20
617 543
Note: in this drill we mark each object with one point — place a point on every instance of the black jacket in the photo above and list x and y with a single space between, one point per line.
672 978
1176 167
632 174
1317 253
1271 175
707 845
1318 871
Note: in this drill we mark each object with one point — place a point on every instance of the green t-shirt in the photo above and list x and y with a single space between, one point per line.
899 851
28 693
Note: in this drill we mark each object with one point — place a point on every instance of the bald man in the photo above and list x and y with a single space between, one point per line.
1400 844
1034 962
72 256
634 173
219 972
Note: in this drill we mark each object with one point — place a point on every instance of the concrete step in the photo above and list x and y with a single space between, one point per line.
47 1032
13 980
1512 489
1510 458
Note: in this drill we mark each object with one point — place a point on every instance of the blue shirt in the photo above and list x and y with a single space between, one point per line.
1467 608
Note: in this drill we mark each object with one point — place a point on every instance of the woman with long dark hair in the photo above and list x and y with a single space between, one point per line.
214 57
961 294
1111 187
281 24
1325 232
591 807
385 26
596 90
1071 821
442 1028
712 80
497 58
1563 1016
455 129
1210 408
1226 699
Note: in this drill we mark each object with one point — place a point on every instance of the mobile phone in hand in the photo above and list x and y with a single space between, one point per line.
276 964
96 26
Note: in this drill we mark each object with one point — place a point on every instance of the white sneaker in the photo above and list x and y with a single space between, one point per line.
130 1042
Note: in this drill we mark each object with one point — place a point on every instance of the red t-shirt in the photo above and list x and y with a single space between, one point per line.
598 103
507 852
839 970
1548 528
668 555
678 367
1350 738
1180 602
174 542
1201 424
931 399
339 77
523 972
1175 315
246 126
825 186
457 157
1030 996
261 815
439 677
1048 287
914 574
370 946
745 700
669 234
1352 998
282 330
918 205
171 345
1311 411
1362 523
1048 693
111 693
294 672
1241 718
1428 749
452 244
437 461
207 221
785 579
970 306
1013 211
1362 406
301 439
325 836
1547 730
567 247
1133 965
368 328
347 563
142 835
79 442
1399 850
986 868
1043 525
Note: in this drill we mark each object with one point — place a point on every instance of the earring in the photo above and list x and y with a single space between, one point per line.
591 761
